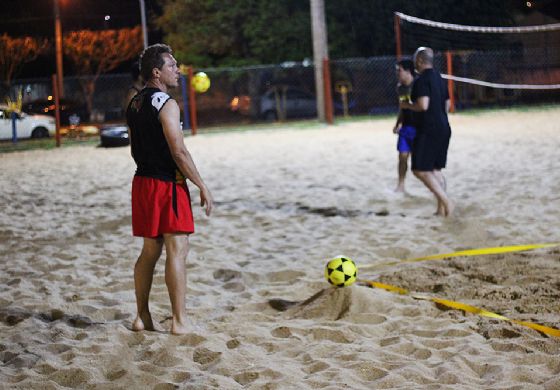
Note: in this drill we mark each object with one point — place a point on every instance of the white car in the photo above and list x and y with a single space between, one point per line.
27 125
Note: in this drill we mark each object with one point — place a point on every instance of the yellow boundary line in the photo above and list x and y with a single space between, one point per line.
469 252
462 306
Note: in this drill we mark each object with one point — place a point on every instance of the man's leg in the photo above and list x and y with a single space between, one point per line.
403 167
441 180
143 276
429 179
177 248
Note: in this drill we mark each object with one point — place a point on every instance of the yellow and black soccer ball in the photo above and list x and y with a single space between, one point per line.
200 82
341 271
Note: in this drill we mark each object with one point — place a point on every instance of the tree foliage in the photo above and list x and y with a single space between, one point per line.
97 52
14 52
235 32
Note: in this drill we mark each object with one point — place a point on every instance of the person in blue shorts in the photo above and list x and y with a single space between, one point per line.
405 121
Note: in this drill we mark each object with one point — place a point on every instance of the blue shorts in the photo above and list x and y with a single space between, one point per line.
406 139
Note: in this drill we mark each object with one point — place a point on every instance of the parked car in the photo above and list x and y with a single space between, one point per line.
27 126
112 136
298 103
70 111
294 102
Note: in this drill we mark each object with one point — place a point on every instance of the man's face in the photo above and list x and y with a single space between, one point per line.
169 72
402 75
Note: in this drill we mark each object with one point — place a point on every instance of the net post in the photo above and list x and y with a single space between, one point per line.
192 102
328 91
450 86
397 26
56 108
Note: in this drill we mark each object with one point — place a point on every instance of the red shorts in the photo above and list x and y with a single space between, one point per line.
160 207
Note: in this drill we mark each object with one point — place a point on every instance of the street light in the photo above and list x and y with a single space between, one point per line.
144 26
58 47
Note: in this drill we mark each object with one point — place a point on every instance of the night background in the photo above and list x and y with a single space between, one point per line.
228 33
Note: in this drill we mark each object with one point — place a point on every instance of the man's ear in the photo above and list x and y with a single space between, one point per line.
155 73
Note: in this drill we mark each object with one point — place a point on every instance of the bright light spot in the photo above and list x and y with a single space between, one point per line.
107 17
49 97
529 4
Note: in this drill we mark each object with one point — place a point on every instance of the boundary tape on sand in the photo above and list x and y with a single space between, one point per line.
462 306
470 252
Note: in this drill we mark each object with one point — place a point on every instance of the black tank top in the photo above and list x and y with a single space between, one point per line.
147 141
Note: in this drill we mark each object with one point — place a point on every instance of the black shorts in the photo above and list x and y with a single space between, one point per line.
429 151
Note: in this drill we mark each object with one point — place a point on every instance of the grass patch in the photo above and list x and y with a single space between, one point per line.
45 144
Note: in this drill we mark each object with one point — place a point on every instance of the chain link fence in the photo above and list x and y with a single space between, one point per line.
361 87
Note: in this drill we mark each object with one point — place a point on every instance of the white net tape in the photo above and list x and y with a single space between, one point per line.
492 30
480 29
501 86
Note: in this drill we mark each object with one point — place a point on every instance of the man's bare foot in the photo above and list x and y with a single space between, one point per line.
400 188
178 328
143 322
449 209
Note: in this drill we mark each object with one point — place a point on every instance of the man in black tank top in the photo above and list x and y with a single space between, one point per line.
161 210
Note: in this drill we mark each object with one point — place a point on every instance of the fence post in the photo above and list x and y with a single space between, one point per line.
56 108
186 114
450 86
192 102
328 91
14 127
397 26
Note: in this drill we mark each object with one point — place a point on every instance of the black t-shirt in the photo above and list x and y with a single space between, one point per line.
147 141
404 92
434 120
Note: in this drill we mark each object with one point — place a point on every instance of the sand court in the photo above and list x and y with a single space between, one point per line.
288 199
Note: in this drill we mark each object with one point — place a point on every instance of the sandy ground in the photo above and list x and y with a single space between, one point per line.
287 201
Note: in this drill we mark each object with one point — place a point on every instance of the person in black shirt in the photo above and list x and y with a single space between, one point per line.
161 208
404 126
136 86
430 103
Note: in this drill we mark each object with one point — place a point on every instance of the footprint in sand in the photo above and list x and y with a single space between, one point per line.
225 275
233 343
191 340
369 371
315 366
205 356
72 377
282 332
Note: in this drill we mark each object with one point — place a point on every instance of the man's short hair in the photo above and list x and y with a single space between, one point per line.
407 65
152 58
425 54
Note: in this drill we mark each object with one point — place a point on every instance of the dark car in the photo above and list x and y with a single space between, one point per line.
112 136
296 103
290 102
70 111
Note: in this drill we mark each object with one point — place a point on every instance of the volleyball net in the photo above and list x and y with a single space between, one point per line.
489 65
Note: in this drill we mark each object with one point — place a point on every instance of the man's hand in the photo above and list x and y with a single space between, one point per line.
206 199
397 129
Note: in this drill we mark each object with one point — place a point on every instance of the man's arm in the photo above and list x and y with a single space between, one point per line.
399 121
447 105
421 104
169 118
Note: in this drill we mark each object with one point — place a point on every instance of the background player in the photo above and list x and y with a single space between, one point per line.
405 125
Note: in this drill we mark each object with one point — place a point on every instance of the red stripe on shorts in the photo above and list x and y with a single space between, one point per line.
153 211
